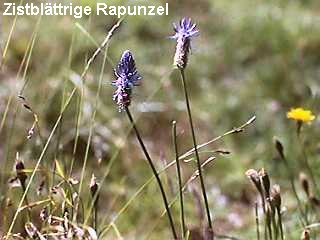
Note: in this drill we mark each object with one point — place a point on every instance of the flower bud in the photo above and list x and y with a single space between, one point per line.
265 181
305 235
304 181
21 175
93 186
254 177
279 147
276 196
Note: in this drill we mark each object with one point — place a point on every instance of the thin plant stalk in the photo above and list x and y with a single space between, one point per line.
95 199
293 186
280 223
270 230
155 173
13 26
257 220
95 196
265 215
80 103
268 223
266 237
23 185
63 97
291 175
174 135
185 88
306 161
274 224
59 132
95 216
92 122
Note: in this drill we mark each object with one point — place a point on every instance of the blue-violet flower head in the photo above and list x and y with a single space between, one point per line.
184 31
127 78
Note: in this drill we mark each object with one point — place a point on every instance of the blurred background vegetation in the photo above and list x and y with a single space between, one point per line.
252 58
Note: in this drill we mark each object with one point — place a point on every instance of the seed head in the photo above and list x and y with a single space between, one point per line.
21 175
184 31
255 179
279 147
276 196
127 78
93 185
44 214
94 190
315 201
31 230
304 181
265 181
305 235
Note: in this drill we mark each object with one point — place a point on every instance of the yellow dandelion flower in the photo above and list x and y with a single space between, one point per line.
301 115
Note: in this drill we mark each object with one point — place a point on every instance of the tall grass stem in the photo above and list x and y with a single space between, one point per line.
23 185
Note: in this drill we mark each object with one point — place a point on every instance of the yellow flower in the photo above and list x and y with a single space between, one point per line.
301 115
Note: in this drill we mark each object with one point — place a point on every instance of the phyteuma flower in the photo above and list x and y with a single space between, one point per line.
184 31
127 77
301 115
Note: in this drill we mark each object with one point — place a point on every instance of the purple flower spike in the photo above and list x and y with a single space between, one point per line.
127 78
183 34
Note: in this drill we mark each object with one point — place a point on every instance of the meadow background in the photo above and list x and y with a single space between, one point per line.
252 58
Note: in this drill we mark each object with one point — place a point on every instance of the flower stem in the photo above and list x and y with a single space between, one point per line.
293 186
23 185
144 149
196 148
174 135
95 216
257 220
280 223
306 161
